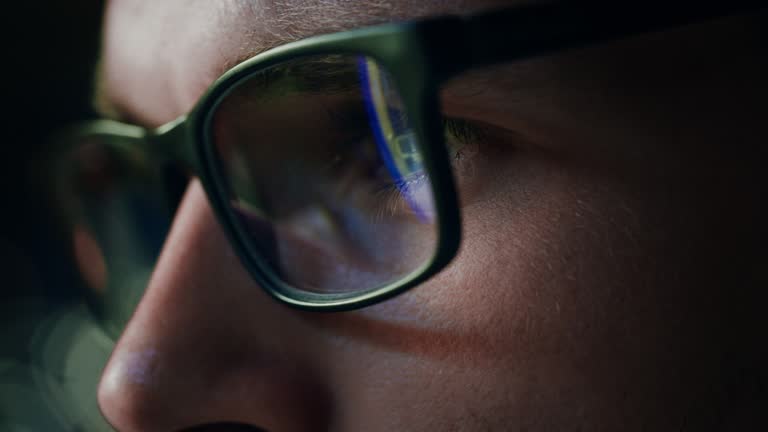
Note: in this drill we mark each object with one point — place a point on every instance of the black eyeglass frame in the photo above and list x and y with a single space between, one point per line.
419 56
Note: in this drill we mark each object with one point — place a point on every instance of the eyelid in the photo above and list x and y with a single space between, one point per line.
460 134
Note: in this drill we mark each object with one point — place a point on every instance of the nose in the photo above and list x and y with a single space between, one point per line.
207 347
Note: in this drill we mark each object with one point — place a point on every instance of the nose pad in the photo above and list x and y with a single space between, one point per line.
207 346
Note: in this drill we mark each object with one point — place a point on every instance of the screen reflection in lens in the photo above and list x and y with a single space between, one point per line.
324 174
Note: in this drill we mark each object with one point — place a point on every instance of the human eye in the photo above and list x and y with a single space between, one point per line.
338 165
407 194
328 179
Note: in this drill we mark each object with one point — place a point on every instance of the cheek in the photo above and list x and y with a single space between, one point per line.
558 291
549 259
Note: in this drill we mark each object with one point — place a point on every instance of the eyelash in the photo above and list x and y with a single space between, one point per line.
387 197
462 152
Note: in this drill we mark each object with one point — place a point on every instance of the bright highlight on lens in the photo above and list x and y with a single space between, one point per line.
395 138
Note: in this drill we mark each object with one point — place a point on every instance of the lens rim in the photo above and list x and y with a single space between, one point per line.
401 54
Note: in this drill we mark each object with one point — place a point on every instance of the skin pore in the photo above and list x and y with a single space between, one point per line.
607 274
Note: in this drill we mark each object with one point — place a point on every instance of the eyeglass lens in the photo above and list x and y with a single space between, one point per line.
115 199
325 175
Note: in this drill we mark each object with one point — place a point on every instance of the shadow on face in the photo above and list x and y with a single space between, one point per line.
607 272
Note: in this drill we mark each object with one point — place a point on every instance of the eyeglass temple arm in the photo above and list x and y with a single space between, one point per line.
538 30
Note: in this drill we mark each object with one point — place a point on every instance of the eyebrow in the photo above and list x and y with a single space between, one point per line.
295 20
327 73
274 37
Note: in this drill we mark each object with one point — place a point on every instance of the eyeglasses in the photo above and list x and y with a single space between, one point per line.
326 160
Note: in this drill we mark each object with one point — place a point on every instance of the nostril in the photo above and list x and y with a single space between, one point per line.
223 427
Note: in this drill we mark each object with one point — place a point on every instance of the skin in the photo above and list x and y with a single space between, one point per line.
608 271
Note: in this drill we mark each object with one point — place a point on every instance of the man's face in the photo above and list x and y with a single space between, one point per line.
608 218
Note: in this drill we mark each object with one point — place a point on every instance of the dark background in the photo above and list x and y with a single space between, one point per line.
50 353
50 49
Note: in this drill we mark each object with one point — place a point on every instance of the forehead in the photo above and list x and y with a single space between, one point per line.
159 56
